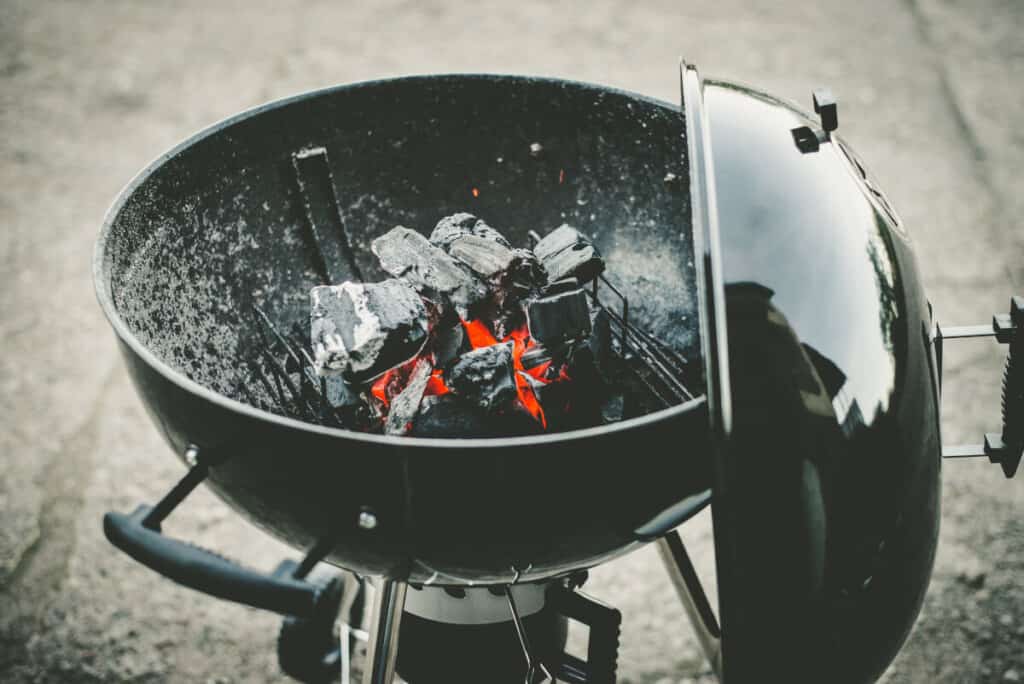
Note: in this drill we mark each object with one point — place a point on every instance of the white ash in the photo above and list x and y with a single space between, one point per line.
406 254
360 329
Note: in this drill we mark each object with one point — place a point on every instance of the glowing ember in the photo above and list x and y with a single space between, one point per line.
476 192
435 385
467 274
479 334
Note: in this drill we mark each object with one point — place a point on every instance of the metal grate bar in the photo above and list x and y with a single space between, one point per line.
660 361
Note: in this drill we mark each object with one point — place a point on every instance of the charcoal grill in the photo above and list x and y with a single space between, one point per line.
765 295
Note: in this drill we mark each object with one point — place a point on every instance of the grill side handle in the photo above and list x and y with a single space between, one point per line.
1007 447
138 534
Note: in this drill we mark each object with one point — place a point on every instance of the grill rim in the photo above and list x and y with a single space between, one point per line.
104 295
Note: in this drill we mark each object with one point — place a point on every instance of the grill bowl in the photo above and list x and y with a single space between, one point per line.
217 225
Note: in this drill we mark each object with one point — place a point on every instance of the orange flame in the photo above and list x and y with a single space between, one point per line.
435 384
479 334
388 385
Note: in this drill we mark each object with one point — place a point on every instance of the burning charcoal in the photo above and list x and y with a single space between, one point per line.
535 356
451 228
448 342
359 330
404 407
506 321
484 376
406 254
340 393
509 273
448 416
527 273
566 252
559 317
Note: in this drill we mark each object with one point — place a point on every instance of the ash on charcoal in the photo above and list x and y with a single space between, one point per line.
406 403
484 376
559 315
509 273
453 227
566 252
406 254
448 416
485 257
359 330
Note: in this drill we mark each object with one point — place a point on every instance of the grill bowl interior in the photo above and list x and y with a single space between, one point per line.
219 224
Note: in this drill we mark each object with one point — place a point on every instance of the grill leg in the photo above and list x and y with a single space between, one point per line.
691 595
382 649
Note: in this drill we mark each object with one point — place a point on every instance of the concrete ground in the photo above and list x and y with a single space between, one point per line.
91 91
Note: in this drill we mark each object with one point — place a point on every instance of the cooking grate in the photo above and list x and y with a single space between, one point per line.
282 357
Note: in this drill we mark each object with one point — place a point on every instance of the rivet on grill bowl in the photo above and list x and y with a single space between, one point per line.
367 520
536 150
192 456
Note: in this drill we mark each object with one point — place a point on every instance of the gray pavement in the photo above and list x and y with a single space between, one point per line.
91 91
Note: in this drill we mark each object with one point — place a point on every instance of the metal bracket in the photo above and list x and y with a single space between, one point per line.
809 139
1007 447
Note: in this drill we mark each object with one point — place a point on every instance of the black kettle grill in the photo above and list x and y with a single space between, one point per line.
773 265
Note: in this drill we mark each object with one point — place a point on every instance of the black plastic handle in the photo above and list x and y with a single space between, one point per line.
206 571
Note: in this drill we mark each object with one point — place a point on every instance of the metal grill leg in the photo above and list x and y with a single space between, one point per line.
382 649
691 595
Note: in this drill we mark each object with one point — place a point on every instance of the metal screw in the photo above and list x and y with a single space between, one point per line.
536 150
367 520
192 455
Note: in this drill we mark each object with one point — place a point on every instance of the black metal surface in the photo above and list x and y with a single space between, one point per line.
218 225
826 503
603 626
308 648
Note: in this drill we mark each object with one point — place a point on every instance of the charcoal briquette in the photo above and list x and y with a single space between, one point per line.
566 252
451 228
405 405
560 317
359 330
484 376
406 254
